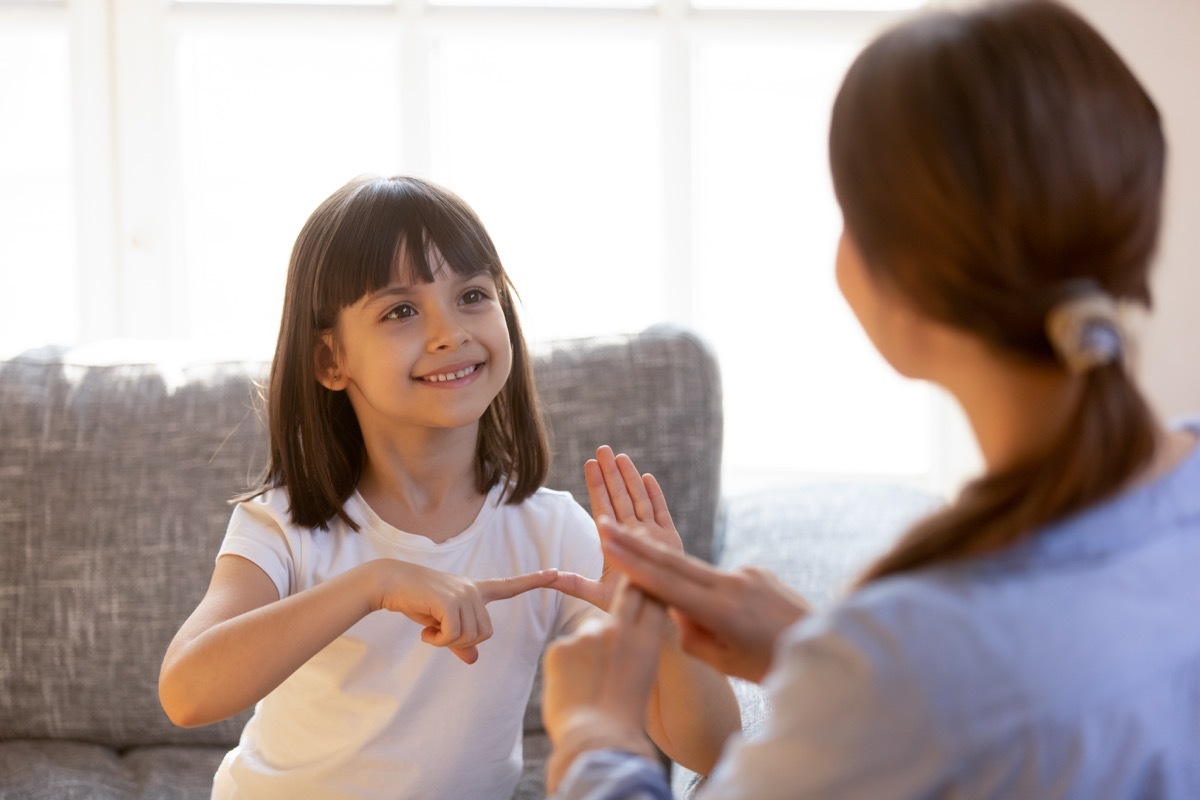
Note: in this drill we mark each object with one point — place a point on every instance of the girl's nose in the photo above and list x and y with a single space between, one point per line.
446 332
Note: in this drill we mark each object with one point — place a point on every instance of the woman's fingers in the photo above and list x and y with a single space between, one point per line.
626 603
641 619
672 576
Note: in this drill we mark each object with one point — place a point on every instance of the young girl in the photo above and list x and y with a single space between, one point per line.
406 460
1000 176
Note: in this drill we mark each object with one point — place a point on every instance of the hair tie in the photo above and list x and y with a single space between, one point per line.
1085 328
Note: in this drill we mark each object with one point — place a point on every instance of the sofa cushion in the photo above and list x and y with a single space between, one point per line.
113 490
116 469
655 395
55 770
817 536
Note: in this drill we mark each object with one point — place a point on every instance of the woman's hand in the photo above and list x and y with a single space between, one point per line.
598 679
452 608
617 491
728 619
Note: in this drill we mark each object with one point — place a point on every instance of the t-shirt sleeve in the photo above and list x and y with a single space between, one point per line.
258 533
581 554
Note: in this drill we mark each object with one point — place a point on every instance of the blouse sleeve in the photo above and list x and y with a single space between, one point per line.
613 775
849 718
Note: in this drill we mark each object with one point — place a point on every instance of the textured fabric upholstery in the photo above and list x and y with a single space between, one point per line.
656 396
113 489
65 770
114 482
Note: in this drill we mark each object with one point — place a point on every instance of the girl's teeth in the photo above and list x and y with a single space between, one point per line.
462 373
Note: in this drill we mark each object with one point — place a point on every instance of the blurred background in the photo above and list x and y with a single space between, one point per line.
635 161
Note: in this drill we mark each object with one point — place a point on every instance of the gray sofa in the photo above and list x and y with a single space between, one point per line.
115 470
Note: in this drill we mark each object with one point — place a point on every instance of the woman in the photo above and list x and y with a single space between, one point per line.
1000 173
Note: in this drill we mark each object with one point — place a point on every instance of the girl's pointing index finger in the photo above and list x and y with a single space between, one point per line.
503 588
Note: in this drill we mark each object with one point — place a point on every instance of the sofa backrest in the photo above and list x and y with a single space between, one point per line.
114 482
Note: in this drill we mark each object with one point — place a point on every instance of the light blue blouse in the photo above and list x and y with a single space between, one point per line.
1066 667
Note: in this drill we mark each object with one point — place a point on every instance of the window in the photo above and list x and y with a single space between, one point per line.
37 246
636 161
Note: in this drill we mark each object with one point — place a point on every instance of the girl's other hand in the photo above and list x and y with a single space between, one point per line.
452 608
617 491
730 620
598 682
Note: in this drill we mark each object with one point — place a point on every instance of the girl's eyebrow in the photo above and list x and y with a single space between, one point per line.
389 292
397 290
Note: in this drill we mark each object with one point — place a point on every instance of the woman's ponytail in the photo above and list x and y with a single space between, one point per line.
1108 439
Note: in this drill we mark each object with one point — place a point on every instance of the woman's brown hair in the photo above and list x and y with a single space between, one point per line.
348 248
983 160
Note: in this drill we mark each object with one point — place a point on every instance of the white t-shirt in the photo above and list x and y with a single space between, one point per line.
379 713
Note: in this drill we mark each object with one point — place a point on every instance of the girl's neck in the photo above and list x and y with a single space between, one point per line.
427 487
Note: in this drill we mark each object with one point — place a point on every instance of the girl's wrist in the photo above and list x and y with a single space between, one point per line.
378 576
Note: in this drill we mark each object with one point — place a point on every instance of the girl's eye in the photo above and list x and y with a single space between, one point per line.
402 311
473 296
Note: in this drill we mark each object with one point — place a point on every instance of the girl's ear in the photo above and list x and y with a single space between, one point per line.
325 360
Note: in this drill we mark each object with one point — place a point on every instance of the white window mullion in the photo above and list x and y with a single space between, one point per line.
416 53
152 282
39 292
95 175
678 274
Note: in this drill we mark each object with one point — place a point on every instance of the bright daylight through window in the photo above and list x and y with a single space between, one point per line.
637 162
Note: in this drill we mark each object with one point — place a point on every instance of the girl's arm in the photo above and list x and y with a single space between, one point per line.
243 640
692 709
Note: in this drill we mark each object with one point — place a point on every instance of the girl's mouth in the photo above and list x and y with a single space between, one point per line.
450 376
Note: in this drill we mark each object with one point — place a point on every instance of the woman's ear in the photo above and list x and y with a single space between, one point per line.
325 360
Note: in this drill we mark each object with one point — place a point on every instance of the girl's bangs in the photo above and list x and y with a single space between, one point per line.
373 245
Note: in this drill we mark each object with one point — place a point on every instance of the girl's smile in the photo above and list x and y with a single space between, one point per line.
453 376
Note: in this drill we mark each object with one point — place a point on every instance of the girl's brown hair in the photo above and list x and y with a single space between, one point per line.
982 160
346 249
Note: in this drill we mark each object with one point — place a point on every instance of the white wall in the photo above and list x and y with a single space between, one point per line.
1160 39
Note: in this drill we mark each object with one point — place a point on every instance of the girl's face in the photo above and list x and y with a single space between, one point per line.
421 355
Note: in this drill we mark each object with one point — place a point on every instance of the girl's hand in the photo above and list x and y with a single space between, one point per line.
452 608
617 491
597 682
728 619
